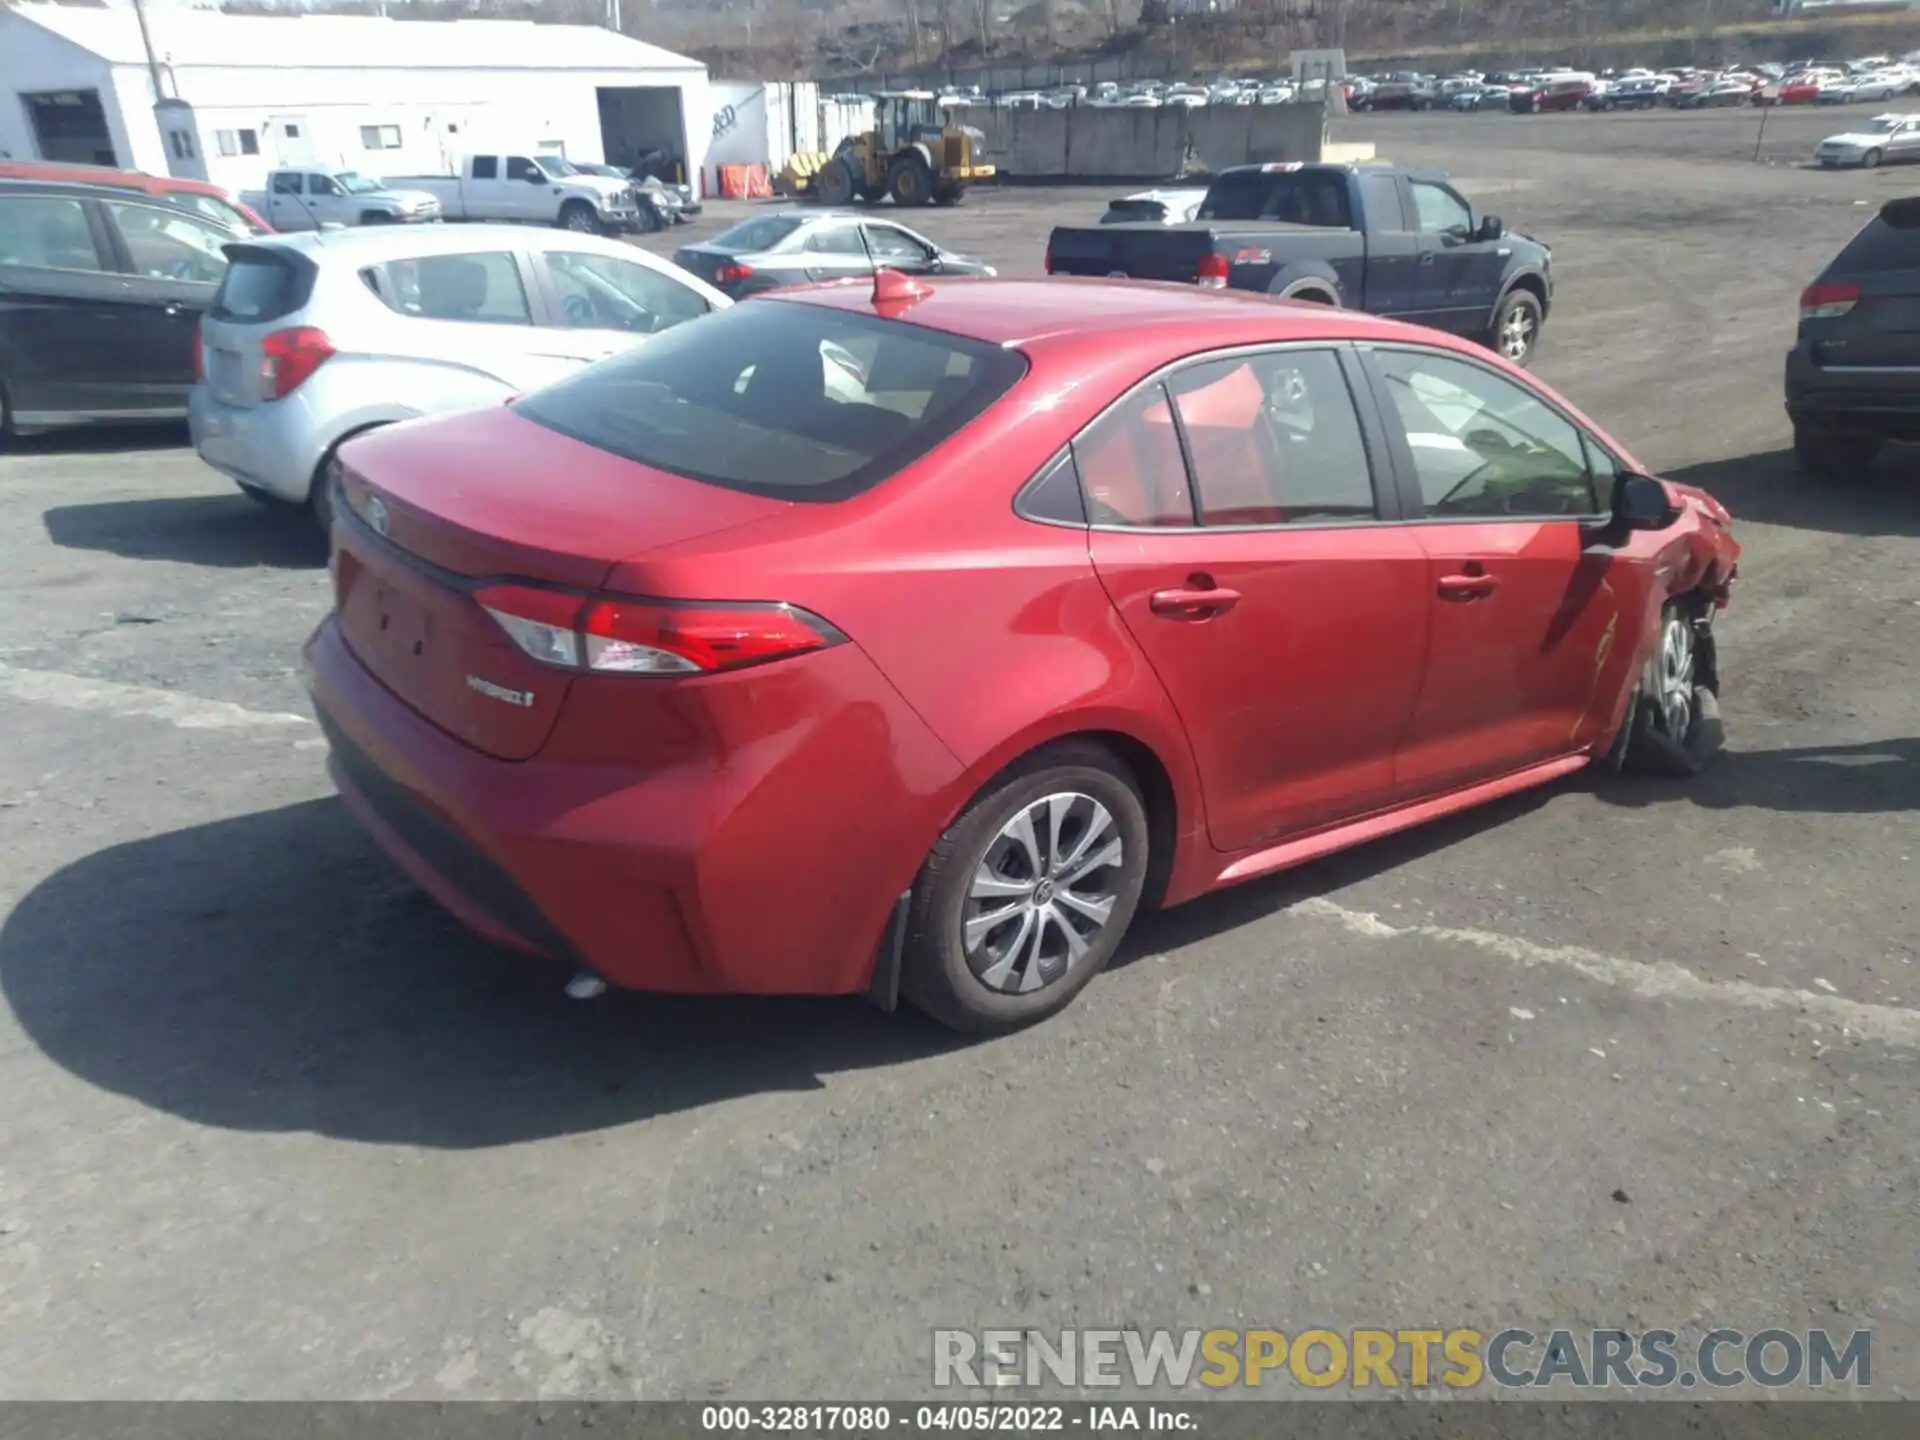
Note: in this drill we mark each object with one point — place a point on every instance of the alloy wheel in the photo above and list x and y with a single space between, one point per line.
1043 891
1676 676
1516 334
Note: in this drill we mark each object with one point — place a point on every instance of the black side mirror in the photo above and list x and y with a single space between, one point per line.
1640 502
1492 227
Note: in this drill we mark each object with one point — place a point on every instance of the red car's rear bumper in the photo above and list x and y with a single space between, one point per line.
757 874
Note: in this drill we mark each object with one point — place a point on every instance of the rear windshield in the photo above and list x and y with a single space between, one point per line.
783 399
762 233
1291 197
1890 241
261 285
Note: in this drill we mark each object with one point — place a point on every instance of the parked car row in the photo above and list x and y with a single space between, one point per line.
1875 79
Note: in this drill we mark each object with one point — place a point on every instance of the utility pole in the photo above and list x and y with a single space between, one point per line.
146 40
613 16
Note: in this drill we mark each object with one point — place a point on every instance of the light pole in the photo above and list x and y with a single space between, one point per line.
146 41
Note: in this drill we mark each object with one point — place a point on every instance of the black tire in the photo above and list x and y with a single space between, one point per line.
1515 333
1312 295
1870 160
375 217
951 196
648 221
835 184
936 974
581 218
320 499
910 180
1678 738
1834 454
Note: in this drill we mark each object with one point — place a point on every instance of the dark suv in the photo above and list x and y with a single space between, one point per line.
100 293
1853 375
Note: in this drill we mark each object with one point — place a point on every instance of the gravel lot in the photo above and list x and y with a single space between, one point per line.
275 1127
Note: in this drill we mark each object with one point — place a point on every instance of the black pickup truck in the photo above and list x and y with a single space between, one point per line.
1402 243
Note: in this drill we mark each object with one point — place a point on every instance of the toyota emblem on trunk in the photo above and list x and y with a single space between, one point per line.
377 515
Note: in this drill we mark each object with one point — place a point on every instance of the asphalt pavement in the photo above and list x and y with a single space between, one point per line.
1632 1053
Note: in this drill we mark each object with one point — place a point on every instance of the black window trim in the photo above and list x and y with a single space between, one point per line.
1400 454
1023 497
1388 502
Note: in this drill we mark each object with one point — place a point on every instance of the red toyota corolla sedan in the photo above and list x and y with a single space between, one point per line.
908 637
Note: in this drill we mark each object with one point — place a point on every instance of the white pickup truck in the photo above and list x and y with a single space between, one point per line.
308 199
534 189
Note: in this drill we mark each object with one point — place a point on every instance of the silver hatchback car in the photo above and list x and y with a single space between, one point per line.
317 337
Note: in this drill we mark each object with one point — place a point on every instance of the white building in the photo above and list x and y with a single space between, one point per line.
227 97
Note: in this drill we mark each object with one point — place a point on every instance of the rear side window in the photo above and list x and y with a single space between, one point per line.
761 234
1274 440
261 285
1291 197
1131 466
1890 241
795 401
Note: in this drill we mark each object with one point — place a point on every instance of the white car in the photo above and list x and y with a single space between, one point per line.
1886 84
1885 138
314 338
1161 207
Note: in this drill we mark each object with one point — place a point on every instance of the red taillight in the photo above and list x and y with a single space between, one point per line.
1047 259
1212 272
199 352
731 274
289 357
1827 301
612 634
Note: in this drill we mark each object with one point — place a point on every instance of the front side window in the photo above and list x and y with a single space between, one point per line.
1274 439
167 244
43 232
479 289
1131 466
797 401
895 247
1483 446
1441 211
521 168
211 207
837 240
599 292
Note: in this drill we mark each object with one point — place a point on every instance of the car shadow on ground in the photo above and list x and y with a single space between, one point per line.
1771 489
219 530
99 440
1875 777
273 973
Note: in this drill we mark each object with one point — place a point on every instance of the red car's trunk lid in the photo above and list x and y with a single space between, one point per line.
432 511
